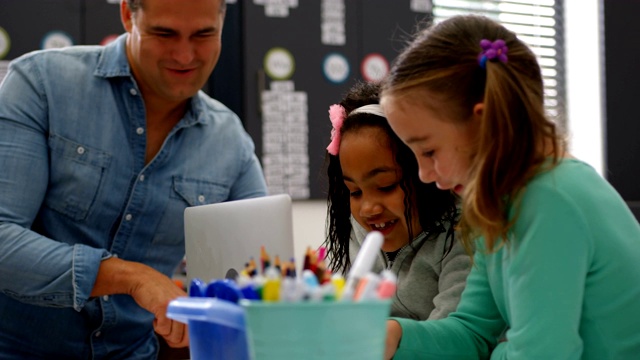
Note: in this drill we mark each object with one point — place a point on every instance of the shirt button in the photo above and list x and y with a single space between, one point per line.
128 217
98 333
133 92
115 255
140 130
105 298
201 198
141 177
80 150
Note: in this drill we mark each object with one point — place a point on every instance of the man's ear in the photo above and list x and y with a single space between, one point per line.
126 15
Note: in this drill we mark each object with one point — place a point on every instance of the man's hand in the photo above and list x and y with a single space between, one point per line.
149 288
153 292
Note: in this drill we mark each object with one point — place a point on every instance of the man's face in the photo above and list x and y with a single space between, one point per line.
173 46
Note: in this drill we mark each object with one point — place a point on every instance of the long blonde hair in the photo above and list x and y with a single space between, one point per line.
443 60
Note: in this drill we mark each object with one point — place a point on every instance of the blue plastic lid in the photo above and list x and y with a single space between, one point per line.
213 310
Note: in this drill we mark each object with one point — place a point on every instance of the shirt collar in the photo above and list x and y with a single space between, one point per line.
113 62
195 114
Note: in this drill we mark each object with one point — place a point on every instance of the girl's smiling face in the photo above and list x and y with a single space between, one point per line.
373 178
443 147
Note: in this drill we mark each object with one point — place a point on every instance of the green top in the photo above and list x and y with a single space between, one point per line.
566 286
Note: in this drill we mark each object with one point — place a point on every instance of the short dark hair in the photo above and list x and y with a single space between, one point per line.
135 5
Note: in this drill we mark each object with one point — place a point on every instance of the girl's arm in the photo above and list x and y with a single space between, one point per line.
468 333
394 334
544 275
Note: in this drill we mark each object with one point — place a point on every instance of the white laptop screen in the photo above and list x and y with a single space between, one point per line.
224 236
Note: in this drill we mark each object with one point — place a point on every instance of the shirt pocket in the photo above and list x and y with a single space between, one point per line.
199 192
76 175
185 192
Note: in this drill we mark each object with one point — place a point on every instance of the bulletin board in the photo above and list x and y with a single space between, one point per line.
27 25
296 58
283 63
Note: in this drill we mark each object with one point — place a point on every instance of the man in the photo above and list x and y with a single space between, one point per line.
101 150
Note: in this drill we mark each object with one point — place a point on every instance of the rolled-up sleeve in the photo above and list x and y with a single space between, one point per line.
33 268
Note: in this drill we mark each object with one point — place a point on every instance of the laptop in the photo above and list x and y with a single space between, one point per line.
221 238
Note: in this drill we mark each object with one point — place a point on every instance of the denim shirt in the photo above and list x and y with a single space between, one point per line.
75 189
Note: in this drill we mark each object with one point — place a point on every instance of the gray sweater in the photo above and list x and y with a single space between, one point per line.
428 287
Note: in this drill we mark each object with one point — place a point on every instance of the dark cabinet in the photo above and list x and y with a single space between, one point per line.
622 91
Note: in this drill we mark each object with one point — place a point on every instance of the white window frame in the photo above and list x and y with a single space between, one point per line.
538 23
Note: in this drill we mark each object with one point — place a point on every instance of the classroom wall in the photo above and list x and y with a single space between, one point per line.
308 224
584 102
584 110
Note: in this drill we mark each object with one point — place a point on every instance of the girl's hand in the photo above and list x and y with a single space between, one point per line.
394 334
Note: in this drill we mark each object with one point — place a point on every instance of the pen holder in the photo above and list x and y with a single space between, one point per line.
216 327
317 330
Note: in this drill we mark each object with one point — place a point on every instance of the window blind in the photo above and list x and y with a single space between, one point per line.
538 23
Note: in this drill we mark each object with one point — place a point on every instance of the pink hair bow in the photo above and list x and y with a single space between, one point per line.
337 114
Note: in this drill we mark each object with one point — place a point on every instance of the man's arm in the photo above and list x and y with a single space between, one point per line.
33 268
49 272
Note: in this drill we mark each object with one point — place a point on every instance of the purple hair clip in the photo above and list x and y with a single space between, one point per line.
492 50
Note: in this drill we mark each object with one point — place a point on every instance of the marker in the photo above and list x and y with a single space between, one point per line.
388 284
307 259
258 284
328 291
363 263
249 293
247 288
264 259
338 282
197 287
271 288
251 268
313 261
276 263
367 286
224 290
322 253
291 270
310 279
321 272
292 289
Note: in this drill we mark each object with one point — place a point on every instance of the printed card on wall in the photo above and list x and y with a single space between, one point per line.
421 6
277 8
285 130
332 22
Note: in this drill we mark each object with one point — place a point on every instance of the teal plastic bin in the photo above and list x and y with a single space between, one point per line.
316 330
